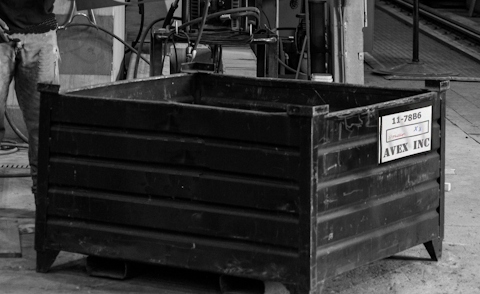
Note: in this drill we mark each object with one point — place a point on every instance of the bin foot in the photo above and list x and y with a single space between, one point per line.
110 268
434 248
236 285
45 259
280 288
277 288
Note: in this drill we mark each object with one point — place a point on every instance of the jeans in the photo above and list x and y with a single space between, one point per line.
31 61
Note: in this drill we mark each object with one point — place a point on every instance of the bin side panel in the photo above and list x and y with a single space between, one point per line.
355 154
337 96
41 203
358 123
130 243
376 212
225 178
179 118
261 90
185 218
188 186
392 178
355 252
186 150
368 211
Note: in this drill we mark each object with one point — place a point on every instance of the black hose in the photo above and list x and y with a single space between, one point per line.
141 8
142 22
213 15
137 38
142 41
9 151
301 57
15 128
197 20
14 144
170 13
200 31
104 30
9 120
289 68
17 147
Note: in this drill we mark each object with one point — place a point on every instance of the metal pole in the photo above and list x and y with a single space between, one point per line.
317 35
415 68
416 30
307 35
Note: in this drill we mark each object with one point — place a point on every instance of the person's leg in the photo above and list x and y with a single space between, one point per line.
7 63
38 64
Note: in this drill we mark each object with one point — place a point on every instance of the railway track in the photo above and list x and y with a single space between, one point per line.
458 36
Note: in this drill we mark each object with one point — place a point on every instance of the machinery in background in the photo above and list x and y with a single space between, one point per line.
237 22
291 39
213 23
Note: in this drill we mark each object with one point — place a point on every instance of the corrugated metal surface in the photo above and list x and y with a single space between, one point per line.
368 211
238 176
174 183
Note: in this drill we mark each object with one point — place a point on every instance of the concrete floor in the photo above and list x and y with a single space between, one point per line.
458 271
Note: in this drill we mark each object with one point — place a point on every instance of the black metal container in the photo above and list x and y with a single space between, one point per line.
269 179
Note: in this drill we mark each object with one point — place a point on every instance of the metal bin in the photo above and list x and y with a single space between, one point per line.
276 180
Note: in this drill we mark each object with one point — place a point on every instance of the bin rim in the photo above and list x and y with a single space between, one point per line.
122 82
263 80
383 105
288 109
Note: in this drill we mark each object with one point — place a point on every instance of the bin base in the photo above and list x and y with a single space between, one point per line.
236 285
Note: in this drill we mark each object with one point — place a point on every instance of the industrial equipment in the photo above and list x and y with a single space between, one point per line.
291 40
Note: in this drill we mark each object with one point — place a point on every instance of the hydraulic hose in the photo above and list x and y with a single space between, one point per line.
301 57
141 8
142 41
170 13
111 34
216 14
16 146
290 68
6 152
341 14
187 24
200 31
15 129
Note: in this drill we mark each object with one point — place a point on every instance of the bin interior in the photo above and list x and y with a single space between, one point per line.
269 95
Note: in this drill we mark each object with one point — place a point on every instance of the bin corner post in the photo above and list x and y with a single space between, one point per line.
159 39
312 124
437 85
434 247
48 88
45 257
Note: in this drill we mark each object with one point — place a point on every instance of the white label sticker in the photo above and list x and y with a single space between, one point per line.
404 133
